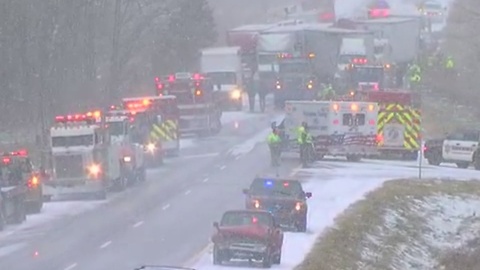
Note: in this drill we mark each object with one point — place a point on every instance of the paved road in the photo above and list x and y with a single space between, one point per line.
166 220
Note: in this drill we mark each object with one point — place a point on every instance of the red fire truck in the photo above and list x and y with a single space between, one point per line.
156 121
198 103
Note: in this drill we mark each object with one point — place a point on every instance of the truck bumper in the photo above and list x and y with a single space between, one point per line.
358 150
243 251
58 187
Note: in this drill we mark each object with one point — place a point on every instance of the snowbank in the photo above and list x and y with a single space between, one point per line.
406 224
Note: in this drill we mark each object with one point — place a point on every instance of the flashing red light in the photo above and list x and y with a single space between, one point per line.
379 13
6 160
336 122
171 78
254 220
327 16
359 60
379 138
159 86
375 87
157 79
286 184
371 122
197 76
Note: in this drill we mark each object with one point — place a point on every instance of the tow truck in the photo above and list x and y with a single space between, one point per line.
13 191
248 235
155 125
296 79
82 157
199 105
119 125
338 128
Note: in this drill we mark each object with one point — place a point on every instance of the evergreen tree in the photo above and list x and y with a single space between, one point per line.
190 27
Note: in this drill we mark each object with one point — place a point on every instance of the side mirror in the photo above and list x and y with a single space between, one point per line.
308 194
215 224
245 191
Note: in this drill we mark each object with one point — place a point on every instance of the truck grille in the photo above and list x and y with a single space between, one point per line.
69 166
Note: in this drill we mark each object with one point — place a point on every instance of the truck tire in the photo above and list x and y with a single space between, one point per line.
462 165
20 212
217 256
278 258
354 158
35 207
435 159
267 260
301 225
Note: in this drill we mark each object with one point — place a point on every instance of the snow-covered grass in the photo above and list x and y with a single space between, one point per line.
406 224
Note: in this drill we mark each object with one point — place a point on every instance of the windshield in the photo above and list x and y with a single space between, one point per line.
348 58
116 128
245 219
68 141
368 74
267 187
223 77
265 59
294 67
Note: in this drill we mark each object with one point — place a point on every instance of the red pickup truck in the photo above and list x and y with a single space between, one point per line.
247 235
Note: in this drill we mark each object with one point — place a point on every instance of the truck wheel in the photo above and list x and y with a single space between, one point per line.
101 195
354 158
35 207
217 256
278 258
435 159
20 213
2 221
462 165
302 224
267 260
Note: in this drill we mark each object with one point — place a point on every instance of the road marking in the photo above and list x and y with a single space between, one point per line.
198 255
205 180
71 266
106 244
138 224
166 207
188 192
223 167
201 156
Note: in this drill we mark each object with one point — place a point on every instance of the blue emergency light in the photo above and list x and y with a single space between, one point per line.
268 183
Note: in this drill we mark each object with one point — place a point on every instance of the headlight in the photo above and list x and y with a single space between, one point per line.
127 159
298 206
236 94
94 169
151 147
256 204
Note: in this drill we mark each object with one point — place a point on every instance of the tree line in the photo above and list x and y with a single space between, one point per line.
61 56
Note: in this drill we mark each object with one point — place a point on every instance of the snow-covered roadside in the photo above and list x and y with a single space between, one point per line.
335 186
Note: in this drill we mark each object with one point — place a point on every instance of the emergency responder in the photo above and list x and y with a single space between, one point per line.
327 93
274 143
414 81
305 143
414 69
449 64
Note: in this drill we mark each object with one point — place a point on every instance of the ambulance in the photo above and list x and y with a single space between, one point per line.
342 128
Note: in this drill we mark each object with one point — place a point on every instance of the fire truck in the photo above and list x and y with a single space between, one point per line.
155 126
398 123
119 123
199 105
82 157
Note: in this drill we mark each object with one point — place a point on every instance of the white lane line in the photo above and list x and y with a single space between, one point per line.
138 224
223 167
106 244
71 266
166 207
188 192
205 180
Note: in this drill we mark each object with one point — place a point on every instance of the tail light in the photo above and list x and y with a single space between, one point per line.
379 138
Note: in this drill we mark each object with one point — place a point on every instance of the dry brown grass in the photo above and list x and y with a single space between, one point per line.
341 247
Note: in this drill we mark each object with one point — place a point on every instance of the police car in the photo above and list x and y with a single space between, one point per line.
460 147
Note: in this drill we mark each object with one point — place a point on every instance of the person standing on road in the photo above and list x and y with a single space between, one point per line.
305 141
274 143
